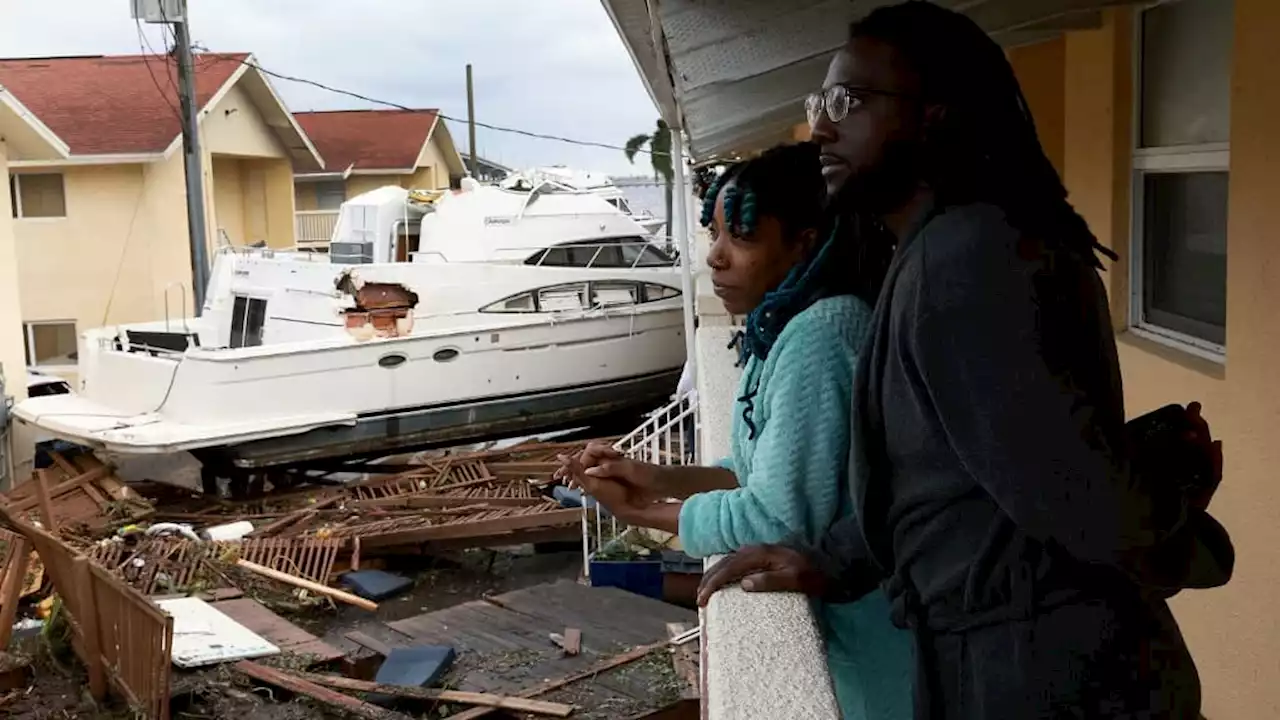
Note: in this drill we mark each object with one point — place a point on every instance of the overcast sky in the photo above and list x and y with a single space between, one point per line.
550 66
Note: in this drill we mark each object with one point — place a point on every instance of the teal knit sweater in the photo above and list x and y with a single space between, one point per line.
793 485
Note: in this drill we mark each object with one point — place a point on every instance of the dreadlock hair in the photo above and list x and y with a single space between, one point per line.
784 183
985 147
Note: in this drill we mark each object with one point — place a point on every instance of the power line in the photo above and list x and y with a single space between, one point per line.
147 51
398 106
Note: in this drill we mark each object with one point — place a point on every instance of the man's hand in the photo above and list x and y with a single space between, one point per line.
1203 438
764 568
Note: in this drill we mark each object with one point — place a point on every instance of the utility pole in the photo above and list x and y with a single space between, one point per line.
196 227
174 12
471 124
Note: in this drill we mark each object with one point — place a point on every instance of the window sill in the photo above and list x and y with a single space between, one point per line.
1195 359
41 219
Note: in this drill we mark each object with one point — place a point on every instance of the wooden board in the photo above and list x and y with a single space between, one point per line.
504 644
290 638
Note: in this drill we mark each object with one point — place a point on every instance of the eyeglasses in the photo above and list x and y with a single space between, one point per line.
839 101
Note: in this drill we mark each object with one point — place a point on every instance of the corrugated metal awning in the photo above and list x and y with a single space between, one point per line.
733 73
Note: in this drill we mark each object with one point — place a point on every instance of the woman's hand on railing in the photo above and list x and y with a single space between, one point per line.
764 568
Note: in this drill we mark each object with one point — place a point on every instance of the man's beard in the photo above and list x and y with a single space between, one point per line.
884 186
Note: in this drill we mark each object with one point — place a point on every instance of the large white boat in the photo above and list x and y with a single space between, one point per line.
435 318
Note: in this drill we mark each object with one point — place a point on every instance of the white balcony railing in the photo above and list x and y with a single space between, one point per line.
313 228
667 437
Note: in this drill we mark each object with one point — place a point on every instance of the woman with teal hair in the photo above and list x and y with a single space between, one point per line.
805 290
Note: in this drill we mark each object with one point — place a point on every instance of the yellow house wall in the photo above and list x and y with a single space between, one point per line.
1041 72
123 240
1232 631
277 201
304 196
235 127
360 184
229 199
13 360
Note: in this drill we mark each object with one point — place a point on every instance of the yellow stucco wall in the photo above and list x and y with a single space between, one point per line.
277 205
229 199
360 184
253 200
235 127
123 240
304 196
12 346
1232 631
1041 72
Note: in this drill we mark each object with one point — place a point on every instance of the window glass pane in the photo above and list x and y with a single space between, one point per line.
237 321
518 303
248 316
330 195
42 196
610 294
600 254
13 196
1185 253
1186 72
653 257
51 343
654 292
255 320
562 297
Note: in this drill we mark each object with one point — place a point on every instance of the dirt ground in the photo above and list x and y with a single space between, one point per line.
58 690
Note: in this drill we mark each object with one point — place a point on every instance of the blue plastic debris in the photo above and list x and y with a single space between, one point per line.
375 585
420 666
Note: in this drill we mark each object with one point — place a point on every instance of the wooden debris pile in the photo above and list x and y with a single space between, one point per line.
109 551
83 494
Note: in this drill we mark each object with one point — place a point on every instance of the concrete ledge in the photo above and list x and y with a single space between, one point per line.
763 658
762 655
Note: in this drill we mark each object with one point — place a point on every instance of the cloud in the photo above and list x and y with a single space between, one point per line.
552 66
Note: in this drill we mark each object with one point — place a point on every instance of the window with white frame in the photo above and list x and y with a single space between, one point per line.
1181 161
37 195
51 343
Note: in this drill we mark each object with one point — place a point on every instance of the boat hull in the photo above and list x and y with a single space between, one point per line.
424 427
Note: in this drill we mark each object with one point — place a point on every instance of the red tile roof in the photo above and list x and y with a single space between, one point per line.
112 105
368 139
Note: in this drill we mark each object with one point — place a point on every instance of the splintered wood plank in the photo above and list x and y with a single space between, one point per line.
684 660
333 698
494 701
290 638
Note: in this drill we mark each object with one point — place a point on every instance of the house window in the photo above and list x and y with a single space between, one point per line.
1181 180
330 195
51 343
37 195
248 316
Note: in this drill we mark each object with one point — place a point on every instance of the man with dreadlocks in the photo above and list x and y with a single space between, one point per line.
996 492
786 477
